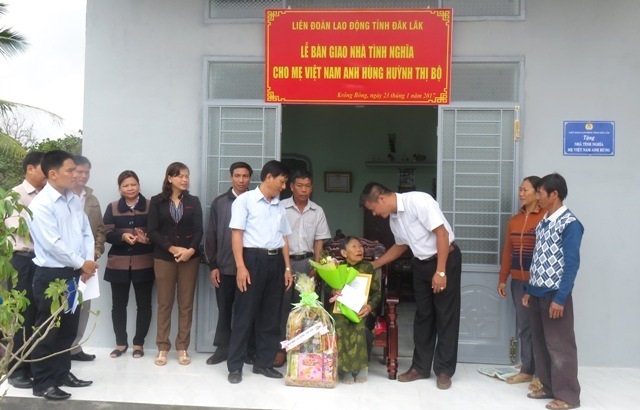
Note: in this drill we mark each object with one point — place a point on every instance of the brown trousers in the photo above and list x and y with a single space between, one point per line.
172 276
554 349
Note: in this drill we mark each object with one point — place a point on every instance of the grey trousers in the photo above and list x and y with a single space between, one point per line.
523 323
554 349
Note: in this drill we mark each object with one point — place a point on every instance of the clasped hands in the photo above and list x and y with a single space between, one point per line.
181 254
138 236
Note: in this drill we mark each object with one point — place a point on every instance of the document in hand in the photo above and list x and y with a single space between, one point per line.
91 288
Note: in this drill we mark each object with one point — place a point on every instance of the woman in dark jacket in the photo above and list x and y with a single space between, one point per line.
175 228
130 261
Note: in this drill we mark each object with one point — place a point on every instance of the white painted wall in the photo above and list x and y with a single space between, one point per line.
143 109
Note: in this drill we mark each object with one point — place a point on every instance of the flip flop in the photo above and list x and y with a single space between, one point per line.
561 404
535 384
117 352
540 394
137 353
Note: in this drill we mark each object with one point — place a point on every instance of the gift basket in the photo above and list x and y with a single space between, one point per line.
311 341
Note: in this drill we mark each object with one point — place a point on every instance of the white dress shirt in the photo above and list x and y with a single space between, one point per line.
27 193
264 223
60 230
306 227
417 215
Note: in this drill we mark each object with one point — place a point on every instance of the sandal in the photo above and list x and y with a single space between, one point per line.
161 359
561 404
183 357
540 394
535 384
137 352
117 352
519 378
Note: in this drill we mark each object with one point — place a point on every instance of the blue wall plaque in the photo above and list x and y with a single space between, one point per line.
591 138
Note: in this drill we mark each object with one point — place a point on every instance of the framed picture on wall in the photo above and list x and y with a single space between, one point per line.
337 181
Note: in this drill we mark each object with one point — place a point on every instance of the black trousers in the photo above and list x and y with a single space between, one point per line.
120 300
437 321
25 267
48 372
259 304
225 295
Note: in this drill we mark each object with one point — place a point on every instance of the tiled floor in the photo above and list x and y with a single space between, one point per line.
129 380
138 380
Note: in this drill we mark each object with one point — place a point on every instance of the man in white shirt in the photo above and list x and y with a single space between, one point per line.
64 248
22 262
309 230
418 223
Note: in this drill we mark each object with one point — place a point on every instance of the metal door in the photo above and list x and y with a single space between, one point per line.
249 133
476 190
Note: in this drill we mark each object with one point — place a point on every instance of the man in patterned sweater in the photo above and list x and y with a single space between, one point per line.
556 259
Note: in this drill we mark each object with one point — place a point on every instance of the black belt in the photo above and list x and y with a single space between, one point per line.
435 256
25 254
264 251
300 256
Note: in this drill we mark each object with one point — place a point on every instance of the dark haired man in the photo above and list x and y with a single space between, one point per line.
261 253
217 247
554 267
309 230
64 249
91 207
22 262
418 223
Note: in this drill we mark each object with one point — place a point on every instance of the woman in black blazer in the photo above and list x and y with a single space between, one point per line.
175 228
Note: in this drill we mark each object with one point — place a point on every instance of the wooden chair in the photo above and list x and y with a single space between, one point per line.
387 339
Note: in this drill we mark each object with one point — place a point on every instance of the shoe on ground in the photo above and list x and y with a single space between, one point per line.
269 372
443 381
248 359
218 357
411 375
280 359
52 393
83 357
72 381
21 382
235 376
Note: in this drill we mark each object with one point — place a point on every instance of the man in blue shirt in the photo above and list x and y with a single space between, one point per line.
261 253
64 249
555 263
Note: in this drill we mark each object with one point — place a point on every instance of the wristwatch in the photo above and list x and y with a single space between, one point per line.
441 274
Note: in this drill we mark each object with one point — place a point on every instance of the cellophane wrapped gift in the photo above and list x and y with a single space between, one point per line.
311 341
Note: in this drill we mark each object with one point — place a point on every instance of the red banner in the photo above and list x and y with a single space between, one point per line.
390 56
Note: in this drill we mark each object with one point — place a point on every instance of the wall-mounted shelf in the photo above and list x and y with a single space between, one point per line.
399 164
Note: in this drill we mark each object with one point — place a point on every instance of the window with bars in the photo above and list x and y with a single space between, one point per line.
463 9
477 179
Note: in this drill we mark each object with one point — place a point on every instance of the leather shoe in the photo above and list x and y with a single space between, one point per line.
411 375
235 376
248 359
268 372
72 381
21 382
280 359
52 393
218 357
443 381
83 357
